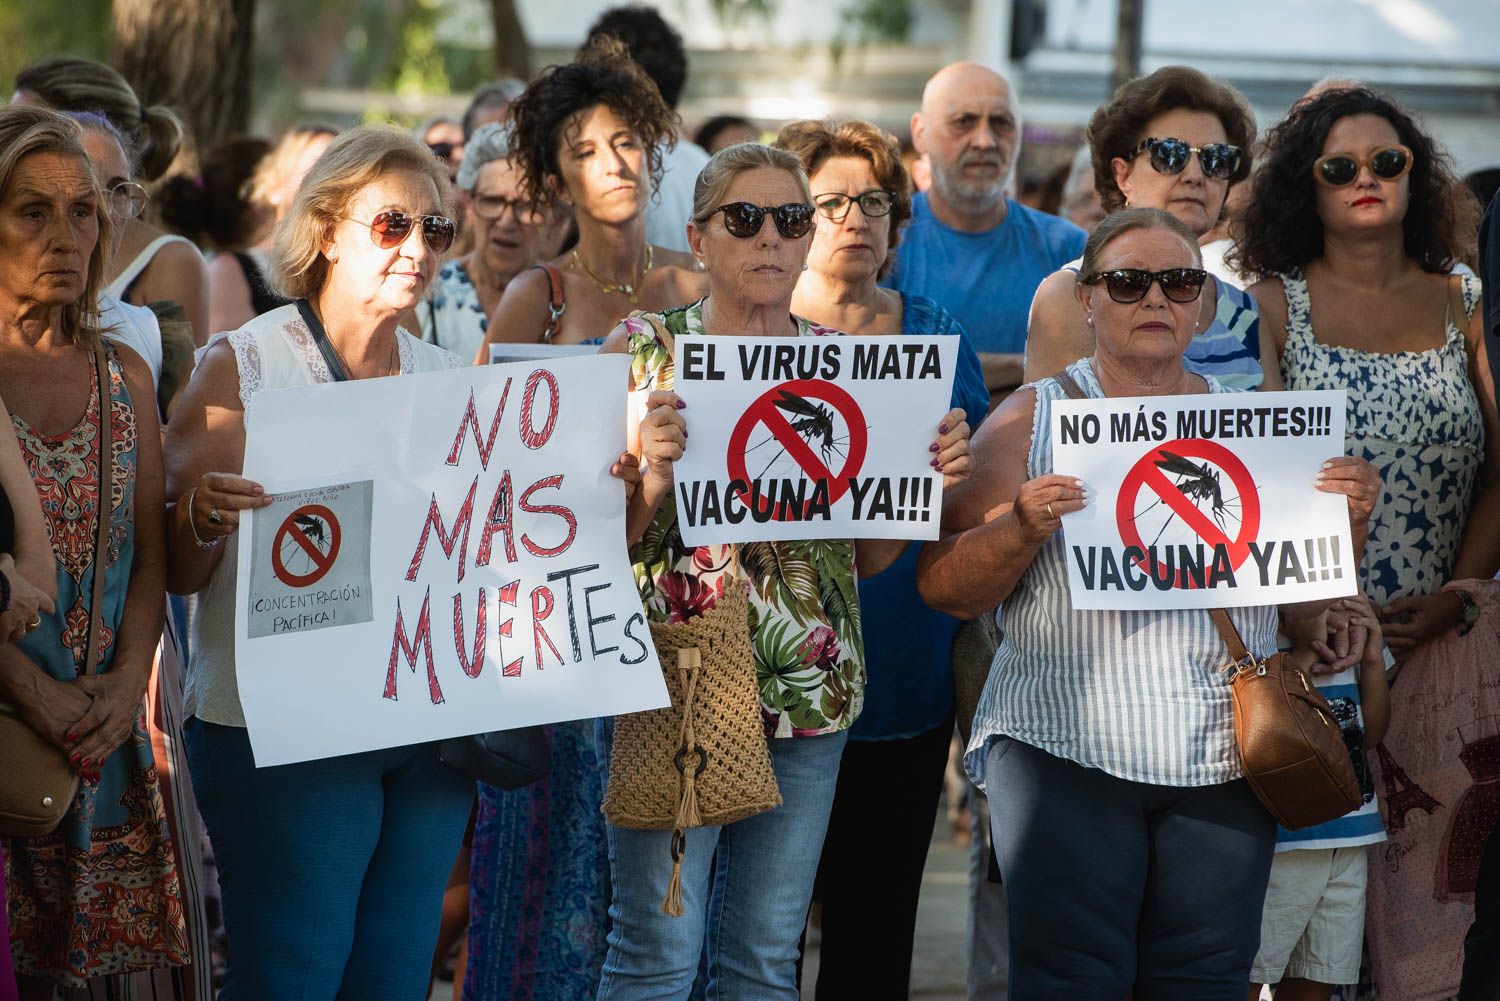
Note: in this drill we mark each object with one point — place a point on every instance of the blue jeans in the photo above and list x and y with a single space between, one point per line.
745 889
332 871
1115 887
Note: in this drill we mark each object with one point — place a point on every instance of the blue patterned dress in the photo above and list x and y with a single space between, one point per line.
452 316
1414 416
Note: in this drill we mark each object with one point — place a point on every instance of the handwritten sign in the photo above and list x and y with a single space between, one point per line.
1204 501
473 513
811 437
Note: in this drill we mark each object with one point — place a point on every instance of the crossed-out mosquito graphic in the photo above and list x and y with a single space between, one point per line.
294 556
813 422
1199 483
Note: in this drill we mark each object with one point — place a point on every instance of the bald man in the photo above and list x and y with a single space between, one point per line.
976 252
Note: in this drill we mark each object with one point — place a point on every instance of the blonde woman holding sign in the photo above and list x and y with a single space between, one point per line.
745 884
1101 721
332 871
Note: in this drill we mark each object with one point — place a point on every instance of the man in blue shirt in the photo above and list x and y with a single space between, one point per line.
979 254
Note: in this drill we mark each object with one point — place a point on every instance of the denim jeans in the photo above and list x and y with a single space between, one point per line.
332 871
1116 887
745 891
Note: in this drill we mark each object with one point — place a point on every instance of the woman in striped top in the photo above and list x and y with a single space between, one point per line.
1134 855
1176 140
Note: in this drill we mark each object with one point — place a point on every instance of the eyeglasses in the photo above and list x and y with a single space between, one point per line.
391 228
793 220
1340 169
442 150
1170 156
126 199
1127 285
494 206
873 203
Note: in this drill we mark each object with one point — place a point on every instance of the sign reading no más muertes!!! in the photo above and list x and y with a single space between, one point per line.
444 555
1204 501
811 437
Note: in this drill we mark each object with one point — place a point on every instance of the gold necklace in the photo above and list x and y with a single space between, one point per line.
629 289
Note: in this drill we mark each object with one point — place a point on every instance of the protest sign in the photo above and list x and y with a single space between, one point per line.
1204 501
811 438
444 555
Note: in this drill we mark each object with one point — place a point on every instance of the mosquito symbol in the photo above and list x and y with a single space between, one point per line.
1199 482
312 528
812 422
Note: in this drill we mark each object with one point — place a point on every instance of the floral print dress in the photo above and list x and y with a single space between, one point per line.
1414 416
804 602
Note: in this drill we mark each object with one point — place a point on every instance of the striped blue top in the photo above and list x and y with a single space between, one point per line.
1229 350
1136 694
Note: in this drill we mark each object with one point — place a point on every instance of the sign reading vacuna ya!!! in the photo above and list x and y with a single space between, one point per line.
444 555
1204 501
811 437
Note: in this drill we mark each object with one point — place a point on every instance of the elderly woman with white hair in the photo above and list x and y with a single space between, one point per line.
508 235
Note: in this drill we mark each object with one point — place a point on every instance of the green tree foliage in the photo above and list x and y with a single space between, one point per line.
33 29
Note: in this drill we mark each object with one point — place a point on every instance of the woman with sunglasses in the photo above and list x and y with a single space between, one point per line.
892 770
1356 220
590 134
150 265
745 885
332 871
1134 854
1175 140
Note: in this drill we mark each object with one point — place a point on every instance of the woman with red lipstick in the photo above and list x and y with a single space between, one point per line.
1175 140
590 134
98 896
892 769
332 871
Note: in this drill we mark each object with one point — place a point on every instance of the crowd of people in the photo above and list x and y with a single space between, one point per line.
1117 850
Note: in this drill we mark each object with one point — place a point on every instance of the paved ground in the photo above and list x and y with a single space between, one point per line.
938 962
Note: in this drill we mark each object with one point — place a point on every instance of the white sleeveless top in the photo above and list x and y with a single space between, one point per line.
121 284
273 351
135 327
1135 694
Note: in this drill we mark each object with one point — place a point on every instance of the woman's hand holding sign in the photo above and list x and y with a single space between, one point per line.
1357 480
214 503
1043 501
954 459
663 436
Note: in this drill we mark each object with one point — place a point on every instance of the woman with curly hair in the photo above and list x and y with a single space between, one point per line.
590 134
1356 221
1176 140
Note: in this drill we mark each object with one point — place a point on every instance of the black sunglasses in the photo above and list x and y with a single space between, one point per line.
1127 285
391 228
793 220
1170 156
1341 169
873 203
442 150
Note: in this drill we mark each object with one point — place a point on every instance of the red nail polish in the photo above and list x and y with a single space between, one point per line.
942 429
933 447
681 405
71 737
73 758
935 464
87 764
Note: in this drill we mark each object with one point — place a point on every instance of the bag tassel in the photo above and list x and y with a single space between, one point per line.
688 662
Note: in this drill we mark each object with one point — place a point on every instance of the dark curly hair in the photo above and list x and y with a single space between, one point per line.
1281 231
652 43
1118 127
817 142
603 74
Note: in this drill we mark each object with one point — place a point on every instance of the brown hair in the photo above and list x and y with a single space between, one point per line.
815 143
732 161
603 74
26 131
1118 127
73 84
1117 224
352 161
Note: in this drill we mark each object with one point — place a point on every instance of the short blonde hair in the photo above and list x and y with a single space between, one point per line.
352 162
732 161
26 131
274 169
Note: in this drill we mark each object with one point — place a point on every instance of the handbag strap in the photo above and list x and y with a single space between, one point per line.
556 307
331 357
1231 636
106 480
1070 386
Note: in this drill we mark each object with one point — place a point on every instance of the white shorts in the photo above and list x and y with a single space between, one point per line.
1313 925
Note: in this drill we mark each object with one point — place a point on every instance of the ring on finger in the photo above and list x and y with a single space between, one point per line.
34 622
1049 510
214 517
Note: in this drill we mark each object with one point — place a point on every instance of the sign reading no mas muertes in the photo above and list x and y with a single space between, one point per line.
811 437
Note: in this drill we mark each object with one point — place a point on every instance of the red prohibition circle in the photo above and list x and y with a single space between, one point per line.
764 411
1146 474
322 562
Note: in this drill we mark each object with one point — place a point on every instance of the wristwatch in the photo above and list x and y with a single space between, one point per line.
1469 611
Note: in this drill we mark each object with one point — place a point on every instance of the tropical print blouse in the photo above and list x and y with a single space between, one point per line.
804 602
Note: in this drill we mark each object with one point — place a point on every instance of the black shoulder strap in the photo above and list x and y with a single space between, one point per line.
320 338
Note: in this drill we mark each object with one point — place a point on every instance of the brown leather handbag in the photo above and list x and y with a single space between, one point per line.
1290 746
38 785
